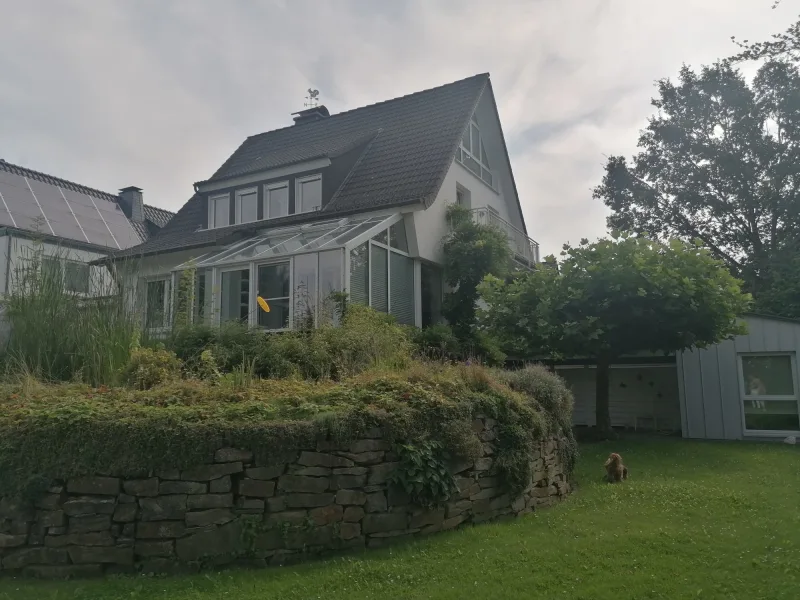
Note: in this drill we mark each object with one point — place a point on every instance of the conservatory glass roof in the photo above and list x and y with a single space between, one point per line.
284 241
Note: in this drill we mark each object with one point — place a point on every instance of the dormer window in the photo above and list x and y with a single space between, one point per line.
308 193
276 200
247 205
219 211
472 154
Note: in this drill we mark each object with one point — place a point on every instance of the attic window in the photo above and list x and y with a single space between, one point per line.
219 211
472 153
309 193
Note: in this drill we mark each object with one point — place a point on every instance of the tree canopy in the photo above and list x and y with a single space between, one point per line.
719 163
612 298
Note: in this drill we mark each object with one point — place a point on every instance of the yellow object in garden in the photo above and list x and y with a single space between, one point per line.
262 303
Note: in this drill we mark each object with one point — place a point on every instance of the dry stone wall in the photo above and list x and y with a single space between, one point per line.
234 510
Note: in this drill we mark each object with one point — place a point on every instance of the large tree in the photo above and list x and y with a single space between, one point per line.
613 298
719 163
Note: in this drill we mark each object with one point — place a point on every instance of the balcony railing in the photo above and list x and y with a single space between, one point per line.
523 247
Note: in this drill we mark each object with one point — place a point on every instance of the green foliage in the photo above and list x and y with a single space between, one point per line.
471 251
68 430
422 472
613 298
365 338
149 367
62 335
719 164
440 342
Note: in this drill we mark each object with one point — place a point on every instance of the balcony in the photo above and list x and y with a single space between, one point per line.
525 249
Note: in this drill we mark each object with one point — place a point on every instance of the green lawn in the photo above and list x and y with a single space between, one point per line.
696 520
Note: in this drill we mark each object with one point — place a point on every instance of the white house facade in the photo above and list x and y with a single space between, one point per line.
353 202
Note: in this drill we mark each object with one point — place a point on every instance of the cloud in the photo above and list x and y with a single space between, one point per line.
158 94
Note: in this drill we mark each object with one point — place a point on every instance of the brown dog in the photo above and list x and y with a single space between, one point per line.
615 470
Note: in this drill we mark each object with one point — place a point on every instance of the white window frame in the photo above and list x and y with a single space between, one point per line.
744 396
212 204
298 196
477 158
218 295
168 286
268 189
238 207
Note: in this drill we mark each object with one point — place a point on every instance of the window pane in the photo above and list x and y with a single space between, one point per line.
476 142
76 277
200 300
472 165
379 278
277 202
768 375
249 207
465 139
277 317
330 281
235 305
431 295
397 236
484 158
771 415
359 274
402 288
52 275
305 290
221 212
310 193
156 315
273 281
382 237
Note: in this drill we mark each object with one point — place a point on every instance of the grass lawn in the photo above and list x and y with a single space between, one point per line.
696 520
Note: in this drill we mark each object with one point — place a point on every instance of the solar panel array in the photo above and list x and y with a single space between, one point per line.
48 208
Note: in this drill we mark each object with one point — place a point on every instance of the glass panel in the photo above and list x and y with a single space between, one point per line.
382 237
52 274
76 277
156 315
484 158
379 278
221 211
305 290
273 281
277 202
330 281
472 165
402 288
476 142
768 375
309 195
465 139
397 236
356 231
771 415
458 154
431 295
277 317
359 274
248 206
325 238
200 300
235 304
487 176
274 287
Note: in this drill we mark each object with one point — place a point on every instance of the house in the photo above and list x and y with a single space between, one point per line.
354 201
744 388
65 226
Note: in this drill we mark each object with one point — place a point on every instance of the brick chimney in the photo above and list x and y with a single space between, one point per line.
132 203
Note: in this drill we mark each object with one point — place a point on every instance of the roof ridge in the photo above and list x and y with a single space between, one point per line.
53 180
158 208
381 103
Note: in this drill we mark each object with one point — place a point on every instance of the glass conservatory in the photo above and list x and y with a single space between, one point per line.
285 277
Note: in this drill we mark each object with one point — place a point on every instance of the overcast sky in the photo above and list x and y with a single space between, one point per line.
158 93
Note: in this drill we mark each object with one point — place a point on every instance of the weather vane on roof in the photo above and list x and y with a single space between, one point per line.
312 99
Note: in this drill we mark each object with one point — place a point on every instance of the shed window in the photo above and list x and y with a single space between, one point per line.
769 392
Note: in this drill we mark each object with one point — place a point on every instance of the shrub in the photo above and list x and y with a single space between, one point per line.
423 474
440 342
149 367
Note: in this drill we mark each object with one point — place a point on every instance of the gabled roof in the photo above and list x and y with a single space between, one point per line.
409 144
35 202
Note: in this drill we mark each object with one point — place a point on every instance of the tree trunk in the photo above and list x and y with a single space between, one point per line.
601 394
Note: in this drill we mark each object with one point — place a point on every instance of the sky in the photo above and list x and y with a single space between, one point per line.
158 93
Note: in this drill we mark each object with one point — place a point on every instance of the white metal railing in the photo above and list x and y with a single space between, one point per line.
523 246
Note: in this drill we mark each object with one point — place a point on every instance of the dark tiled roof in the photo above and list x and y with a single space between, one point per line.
155 218
409 144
